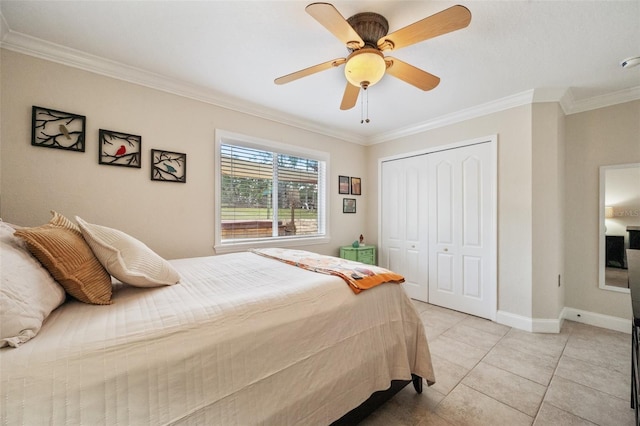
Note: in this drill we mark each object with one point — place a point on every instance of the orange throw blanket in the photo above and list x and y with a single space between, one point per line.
358 275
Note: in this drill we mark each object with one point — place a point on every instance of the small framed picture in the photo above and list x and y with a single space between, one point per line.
57 129
119 149
348 205
168 166
355 186
343 184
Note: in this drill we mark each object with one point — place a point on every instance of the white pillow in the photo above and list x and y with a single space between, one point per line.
126 258
28 293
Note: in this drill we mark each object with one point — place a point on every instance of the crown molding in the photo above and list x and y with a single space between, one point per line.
602 101
523 98
560 95
21 43
53 52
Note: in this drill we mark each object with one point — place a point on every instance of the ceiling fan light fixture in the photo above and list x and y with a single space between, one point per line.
365 67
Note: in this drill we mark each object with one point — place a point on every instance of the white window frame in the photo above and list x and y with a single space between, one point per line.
226 137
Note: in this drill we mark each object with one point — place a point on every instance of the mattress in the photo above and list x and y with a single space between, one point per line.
242 340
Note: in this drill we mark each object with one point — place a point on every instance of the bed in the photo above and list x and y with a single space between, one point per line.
241 339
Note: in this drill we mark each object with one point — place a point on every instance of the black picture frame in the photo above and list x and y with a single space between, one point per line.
356 186
348 205
119 149
51 128
168 166
343 184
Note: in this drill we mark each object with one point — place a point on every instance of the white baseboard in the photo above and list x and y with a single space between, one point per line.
537 325
598 320
515 321
529 324
547 325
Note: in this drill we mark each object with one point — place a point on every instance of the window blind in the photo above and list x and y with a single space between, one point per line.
266 194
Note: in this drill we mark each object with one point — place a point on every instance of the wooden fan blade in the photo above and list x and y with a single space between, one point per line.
329 17
308 71
451 19
350 96
410 74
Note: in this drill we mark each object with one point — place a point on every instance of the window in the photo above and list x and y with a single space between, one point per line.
268 191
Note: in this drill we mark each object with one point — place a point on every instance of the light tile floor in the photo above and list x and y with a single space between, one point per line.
491 374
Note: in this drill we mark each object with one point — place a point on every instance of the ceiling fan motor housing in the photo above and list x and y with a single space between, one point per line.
370 27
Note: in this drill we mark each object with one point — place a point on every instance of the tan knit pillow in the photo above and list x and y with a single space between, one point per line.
59 246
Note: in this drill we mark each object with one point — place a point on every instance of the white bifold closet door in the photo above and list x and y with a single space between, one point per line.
403 246
461 230
438 227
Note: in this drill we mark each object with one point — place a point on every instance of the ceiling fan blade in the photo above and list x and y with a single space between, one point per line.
410 74
451 19
331 19
350 96
308 71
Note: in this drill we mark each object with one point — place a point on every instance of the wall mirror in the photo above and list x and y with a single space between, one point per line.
619 223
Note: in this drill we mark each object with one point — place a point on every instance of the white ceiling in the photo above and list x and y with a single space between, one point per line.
229 53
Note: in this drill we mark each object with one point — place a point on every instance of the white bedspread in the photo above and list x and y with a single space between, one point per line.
242 340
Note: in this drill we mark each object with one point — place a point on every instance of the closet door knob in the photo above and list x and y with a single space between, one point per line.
446 249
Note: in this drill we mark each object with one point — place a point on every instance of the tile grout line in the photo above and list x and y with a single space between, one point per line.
588 386
489 396
546 390
525 378
554 375
563 355
459 383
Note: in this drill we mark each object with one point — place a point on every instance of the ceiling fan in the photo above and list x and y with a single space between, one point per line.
365 35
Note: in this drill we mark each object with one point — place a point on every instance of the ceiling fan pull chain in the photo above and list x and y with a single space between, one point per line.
367 95
361 106
362 101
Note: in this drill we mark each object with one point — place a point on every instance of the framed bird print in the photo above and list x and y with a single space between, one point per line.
168 166
119 149
57 129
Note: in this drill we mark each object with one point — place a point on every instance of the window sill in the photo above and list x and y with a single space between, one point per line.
230 247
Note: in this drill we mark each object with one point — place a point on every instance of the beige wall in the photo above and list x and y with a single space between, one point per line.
595 138
547 170
513 128
174 219
548 202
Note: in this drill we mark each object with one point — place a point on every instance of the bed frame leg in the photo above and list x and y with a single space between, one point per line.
417 382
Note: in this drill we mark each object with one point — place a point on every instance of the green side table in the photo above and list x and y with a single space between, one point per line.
365 254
